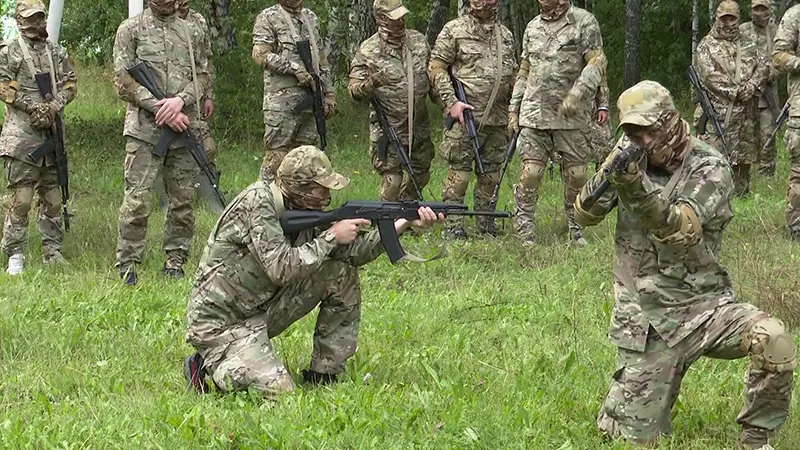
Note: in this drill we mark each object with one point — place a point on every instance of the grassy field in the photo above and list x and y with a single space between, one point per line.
494 347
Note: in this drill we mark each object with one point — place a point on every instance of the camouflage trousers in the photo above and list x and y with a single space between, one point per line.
457 150
766 156
646 384
396 183
284 131
741 145
243 356
792 141
141 170
535 148
25 180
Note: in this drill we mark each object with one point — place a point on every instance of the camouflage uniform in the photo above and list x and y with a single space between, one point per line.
20 136
470 47
765 36
253 282
376 57
275 33
162 43
562 63
599 137
674 301
718 58
786 60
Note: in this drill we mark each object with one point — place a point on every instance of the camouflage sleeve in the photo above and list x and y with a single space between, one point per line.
209 94
9 87
359 86
586 85
602 205
521 82
124 58
281 262
712 78
784 56
325 76
366 248
265 45
195 89
443 55
707 188
601 98
66 73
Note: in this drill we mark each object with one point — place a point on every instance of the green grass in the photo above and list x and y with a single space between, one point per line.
492 347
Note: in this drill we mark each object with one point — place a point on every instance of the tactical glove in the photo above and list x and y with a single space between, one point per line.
305 79
40 115
745 91
569 107
329 104
513 123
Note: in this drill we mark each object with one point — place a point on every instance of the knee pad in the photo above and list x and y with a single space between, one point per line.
532 173
576 177
458 180
793 197
390 186
770 346
21 199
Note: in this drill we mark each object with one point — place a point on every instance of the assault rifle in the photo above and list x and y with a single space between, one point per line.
512 145
768 94
142 74
390 137
709 112
314 98
54 145
382 213
469 120
618 164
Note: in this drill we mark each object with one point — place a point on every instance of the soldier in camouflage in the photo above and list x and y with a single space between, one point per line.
480 52
763 31
562 69
28 120
392 65
785 58
164 41
286 81
253 282
674 301
731 68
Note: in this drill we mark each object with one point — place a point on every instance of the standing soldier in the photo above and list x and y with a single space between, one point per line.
286 80
391 66
674 301
479 51
164 42
28 121
785 59
763 31
562 68
729 68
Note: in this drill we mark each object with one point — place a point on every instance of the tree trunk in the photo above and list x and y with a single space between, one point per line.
504 9
437 20
633 10
361 25
712 11
463 7
336 37
695 28
219 25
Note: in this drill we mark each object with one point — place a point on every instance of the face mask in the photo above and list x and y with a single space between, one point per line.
292 5
163 8
668 146
761 18
553 9
183 8
483 10
302 195
33 27
393 32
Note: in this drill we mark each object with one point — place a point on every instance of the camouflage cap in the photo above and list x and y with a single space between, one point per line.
767 3
644 103
27 8
728 8
393 9
308 163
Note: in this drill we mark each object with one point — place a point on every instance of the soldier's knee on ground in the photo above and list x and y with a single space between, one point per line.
770 346
532 174
390 186
21 199
455 185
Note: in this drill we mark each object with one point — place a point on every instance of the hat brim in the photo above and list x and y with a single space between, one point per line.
30 12
397 13
334 181
638 120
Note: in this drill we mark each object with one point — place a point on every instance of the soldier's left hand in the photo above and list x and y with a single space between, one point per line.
168 108
426 217
626 177
329 105
602 117
208 108
569 107
745 91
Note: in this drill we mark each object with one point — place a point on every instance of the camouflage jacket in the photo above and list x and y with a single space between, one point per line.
470 48
556 52
671 285
717 62
247 260
786 59
374 56
202 33
18 138
163 46
281 88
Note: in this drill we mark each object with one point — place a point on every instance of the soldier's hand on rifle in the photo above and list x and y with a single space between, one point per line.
208 108
179 123
513 123
745 91
329 104
40 115
602 116
457 111
426 217
620 179
346 231
168 109
569 107
305 79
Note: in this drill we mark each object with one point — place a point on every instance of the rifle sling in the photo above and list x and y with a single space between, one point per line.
296 36
498 64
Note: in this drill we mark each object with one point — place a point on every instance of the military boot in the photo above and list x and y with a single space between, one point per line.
312 377
574 229
525 214
195 373
128 275
752 438
486 226
173 266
